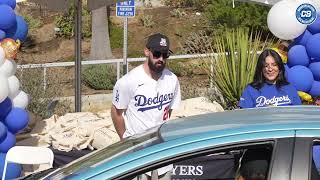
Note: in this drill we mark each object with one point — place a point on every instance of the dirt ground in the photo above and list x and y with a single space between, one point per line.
43 46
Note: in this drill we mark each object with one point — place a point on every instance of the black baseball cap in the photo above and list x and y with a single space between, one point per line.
159 42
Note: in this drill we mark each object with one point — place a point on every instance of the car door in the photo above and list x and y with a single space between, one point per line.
279 165
303 164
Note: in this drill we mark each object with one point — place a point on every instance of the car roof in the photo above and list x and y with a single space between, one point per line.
247 120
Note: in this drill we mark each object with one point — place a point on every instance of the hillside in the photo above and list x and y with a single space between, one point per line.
42 45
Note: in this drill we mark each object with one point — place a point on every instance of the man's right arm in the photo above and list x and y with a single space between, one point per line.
118 121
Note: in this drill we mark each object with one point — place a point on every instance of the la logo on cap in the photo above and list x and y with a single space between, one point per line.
163 42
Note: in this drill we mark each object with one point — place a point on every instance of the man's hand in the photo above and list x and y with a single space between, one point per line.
118 121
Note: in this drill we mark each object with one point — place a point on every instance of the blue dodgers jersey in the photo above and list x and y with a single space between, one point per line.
269 95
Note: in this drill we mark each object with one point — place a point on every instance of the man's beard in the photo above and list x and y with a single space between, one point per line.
157 67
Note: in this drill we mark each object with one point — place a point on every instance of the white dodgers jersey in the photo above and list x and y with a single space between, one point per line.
147 101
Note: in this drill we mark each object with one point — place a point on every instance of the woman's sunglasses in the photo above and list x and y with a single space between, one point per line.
157 54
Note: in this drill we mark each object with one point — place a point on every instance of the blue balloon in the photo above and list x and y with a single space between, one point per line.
7 18
316 155
286 70
5 108
315 89
2 34
11 3
8 142
297 55
313 45
303 38
315 69
19 30
3 131
13 170
301 78
314 28
16 120
313 60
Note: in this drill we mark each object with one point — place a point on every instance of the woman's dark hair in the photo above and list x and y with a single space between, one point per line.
259 79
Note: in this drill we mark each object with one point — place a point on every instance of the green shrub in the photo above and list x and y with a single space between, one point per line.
66 23
147 20
178 13
116 36
33 23
100 77
220 14
234 64
197 4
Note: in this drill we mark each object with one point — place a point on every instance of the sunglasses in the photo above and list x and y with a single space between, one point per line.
158 54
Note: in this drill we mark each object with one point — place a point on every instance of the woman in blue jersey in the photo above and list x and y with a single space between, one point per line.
269 86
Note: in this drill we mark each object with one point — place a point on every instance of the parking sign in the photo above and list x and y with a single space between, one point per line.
125 8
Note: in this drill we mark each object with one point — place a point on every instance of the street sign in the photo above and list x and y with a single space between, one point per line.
125 8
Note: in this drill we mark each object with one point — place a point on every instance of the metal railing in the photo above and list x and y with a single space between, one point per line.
105 61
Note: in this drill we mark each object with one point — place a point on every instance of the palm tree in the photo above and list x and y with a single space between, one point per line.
100 40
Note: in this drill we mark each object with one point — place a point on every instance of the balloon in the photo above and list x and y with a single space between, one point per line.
2 34
2 56
5 108
4 88
21 100
10 47
301 78
297 55
315 89
14 86
313 45
315 69
282 21
316 155
8 142
314 28
11 3
3 131
286 70
305 96
19 31
16 120
13 170
8 17
8 68
303 38
312 60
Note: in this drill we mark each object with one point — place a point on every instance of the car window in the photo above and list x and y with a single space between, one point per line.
236 163
129 145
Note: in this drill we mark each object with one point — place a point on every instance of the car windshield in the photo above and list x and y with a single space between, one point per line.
124 147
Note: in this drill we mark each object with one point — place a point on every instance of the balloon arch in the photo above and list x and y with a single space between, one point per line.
303 57
13 101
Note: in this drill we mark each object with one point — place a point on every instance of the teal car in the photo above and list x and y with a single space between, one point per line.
212 146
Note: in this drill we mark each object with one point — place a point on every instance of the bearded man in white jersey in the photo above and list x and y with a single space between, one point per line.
145 97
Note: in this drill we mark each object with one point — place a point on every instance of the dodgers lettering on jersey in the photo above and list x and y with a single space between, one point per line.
269 95
158 101
262 101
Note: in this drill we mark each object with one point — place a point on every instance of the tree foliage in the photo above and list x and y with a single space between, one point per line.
244 14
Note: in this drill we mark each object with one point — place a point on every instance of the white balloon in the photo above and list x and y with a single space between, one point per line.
4 88
21 100
2 56
14 86
282 21
8 68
